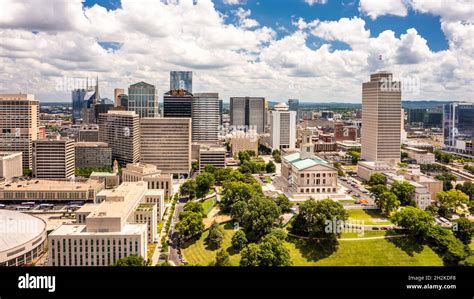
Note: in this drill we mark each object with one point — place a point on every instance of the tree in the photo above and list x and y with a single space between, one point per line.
270 252
195 166
388 202
443 242
468 262
238 191
414 220
250 256
131 261
315 216
378 190
192 206
467 188
222 174
404 191
355 156
204 182
239 240
190 224
215 237
446 178
276 154
432 209
210 169
451 200
463 230
246 156
222 258
270 167
377 179
284 203
188 189
257 217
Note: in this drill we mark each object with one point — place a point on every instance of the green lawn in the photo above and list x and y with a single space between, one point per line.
380 252
370 217
208 204
198 253
365 234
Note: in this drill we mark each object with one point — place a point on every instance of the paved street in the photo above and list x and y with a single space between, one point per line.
173 237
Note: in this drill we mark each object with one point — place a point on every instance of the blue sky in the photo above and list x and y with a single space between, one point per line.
277 13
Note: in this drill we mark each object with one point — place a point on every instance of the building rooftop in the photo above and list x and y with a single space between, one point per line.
18 228
121 201
102 174
80 229
50 185
91 144
9 154
301 164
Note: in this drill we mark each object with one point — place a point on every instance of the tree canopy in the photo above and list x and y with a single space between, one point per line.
315 216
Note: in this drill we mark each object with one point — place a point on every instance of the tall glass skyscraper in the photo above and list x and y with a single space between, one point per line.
294 104
78 97
143 99
181 80
458 127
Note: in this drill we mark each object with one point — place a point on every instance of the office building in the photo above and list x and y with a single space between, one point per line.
425 118
458 128
123 102
93 154
108 231
283 128
155 178
117 93
248 112
365 169
11 165
421 156
177 103
205 117
166 143
381 109
23 241
180 80
19 122
121 131
54 158
143 99
294 105
243 141
78 99
88 133
51 190
89 106
211 155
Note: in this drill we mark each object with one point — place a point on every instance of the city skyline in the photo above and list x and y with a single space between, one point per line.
314 51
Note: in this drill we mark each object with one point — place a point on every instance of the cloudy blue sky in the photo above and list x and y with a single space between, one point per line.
314 50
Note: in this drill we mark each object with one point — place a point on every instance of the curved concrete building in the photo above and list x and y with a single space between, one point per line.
22 238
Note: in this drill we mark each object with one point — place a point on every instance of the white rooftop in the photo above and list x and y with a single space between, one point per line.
18 228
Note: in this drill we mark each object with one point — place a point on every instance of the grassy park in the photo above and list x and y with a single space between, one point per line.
376 252
370 217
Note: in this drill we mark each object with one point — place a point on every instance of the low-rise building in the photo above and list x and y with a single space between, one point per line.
366 168
122 224
149 173
421 196
37 190
211 155
422 156
93 154
11 165
243 141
